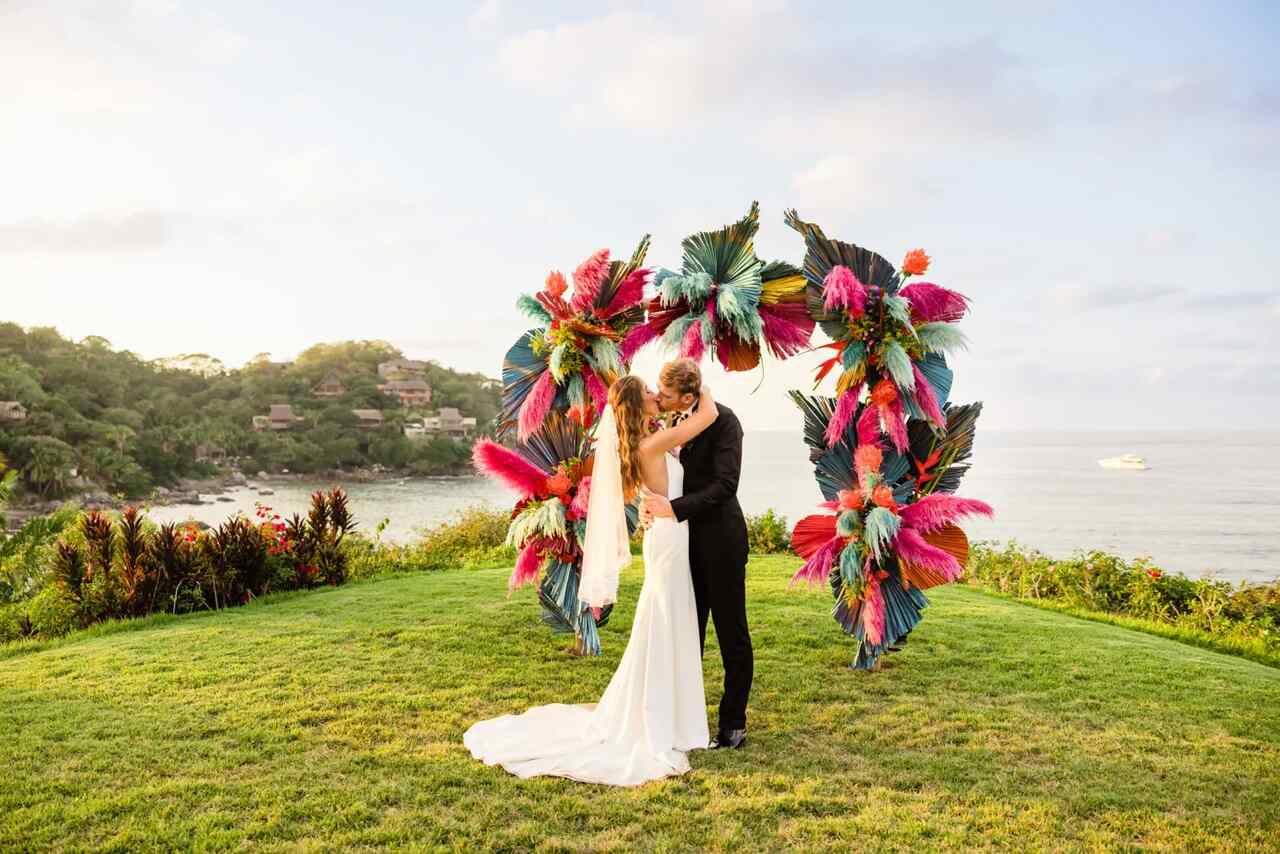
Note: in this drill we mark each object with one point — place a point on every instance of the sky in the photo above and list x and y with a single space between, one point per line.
1100 179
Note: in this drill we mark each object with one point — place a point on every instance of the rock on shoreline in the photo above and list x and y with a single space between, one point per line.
195 491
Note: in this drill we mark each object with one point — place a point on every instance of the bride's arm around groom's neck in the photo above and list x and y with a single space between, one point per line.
725 448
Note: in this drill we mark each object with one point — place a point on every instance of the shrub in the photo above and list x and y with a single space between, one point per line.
475 537
102 570
1246 616
25 555
767 533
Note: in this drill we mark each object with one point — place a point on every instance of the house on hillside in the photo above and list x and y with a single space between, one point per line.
401 367
448 421
370 419
12 410
331 386
414 392
281 417
454 423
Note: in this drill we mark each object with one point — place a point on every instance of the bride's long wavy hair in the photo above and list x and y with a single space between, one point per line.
626 396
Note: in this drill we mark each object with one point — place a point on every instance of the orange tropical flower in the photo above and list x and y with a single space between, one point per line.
851 499
884 393
882 495
558 484
915 263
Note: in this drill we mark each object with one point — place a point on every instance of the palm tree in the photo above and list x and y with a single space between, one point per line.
49 468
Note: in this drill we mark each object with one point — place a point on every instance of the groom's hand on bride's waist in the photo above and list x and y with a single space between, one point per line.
657 507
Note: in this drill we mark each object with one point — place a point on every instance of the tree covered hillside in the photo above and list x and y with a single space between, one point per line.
105 417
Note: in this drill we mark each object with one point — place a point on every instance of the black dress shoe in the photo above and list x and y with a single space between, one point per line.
729 739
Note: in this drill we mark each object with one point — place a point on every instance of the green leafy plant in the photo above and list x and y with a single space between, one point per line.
768 533
1243 617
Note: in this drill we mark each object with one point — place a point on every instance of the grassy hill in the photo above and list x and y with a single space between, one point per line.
335 719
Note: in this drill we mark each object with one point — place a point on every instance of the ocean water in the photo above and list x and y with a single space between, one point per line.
1209 503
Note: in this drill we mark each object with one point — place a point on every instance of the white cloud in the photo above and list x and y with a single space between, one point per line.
637 71
484 19
98 233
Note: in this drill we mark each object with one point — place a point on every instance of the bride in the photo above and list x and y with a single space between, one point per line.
653 709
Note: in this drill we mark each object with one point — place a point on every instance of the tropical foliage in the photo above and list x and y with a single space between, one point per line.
889 339
101 568
569 362
555 384
889 531
725 301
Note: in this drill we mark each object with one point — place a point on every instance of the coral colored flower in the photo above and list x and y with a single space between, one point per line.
867 458
556 285
1154 573
884 393
915 263
559 485
882 495
851 499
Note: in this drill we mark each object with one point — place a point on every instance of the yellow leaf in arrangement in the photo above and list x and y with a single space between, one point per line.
786 289
851 378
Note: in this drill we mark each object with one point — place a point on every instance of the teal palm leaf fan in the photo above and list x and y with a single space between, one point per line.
725 302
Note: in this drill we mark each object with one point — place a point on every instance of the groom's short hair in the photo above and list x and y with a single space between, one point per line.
683 375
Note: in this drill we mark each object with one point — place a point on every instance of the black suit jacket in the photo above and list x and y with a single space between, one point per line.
712 463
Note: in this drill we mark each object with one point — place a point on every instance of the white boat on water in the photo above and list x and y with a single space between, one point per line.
1132 462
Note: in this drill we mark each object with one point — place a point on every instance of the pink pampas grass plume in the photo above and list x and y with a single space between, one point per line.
819 564
583 498
587 279
636 339
872 609
692 345
630 292
846 407
912 548
784 337
925 397
930 302
896 425
536 406
937 510
509 467
527 566
869 427
841 289
595 388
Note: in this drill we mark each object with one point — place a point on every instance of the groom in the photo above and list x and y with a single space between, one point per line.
717 538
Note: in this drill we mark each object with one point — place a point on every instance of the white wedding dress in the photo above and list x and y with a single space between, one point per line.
653 710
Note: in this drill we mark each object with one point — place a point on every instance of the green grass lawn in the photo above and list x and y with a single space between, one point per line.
335 719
